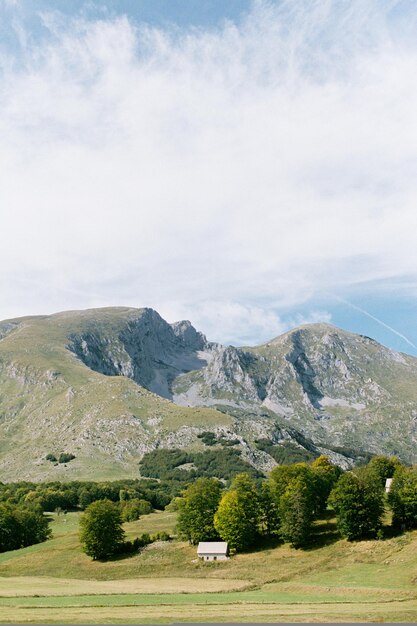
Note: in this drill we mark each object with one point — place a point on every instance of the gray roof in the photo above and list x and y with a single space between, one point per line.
212 547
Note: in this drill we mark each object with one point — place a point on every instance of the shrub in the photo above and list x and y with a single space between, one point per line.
132 509
286 452
145 539
65 457
208 438
161 535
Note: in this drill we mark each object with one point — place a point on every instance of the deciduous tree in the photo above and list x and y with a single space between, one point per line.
358 501
101 532
403 498
237 518
325 475
196 509
296 509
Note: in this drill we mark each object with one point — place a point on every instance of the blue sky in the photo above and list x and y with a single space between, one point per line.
161 13
246 165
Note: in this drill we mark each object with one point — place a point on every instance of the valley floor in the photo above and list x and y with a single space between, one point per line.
55 582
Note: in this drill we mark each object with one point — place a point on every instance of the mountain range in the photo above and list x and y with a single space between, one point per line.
107 385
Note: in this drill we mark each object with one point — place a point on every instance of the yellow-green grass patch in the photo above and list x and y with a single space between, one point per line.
223 612
47 586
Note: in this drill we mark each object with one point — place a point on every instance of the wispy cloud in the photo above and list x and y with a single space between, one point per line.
378 321
260 162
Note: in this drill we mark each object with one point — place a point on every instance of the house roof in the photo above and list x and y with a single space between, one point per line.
212 547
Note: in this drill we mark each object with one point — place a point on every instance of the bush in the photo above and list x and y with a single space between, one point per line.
130 547
51 457
65 457
132 509
161 535
208 438
145 539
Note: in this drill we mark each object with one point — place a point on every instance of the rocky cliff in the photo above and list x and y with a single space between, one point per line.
109 384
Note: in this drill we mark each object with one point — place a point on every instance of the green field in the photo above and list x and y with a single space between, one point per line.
334 581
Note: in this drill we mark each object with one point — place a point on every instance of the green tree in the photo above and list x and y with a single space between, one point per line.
282 475
268 511
101 532
132 509
358 501
237 518
384 467
196 509
10 529
296 508
325 475
403 498
34 525
22 526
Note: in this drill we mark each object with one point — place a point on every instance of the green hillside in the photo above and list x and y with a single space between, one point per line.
333 581
51 402
108 385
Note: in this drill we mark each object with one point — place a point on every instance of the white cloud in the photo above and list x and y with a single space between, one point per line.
229 322
263 162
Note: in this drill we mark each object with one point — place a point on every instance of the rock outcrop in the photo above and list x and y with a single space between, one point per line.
110 384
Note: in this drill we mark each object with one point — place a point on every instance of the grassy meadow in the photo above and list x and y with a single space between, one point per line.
333 581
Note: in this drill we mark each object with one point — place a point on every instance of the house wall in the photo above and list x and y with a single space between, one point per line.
213 557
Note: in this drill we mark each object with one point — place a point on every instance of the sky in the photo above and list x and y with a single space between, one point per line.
247 165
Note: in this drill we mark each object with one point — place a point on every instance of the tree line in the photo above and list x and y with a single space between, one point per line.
74 495
248 511
287 503
22 526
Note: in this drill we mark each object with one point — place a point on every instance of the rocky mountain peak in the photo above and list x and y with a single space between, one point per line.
143 347
190 337
340 393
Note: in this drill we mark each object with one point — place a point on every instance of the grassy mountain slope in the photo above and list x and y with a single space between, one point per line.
51 402
99 384
341 390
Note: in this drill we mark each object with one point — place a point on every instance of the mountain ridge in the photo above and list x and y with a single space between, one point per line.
117 382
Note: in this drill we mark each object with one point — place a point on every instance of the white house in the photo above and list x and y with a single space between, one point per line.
388 483
213 550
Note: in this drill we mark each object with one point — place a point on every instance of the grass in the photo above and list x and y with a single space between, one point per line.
334 581
223 612
51 402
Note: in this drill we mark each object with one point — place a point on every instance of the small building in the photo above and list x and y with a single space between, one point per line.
213 550
388 484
